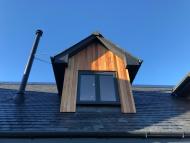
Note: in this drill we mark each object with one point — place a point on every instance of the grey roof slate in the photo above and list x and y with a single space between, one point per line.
158 113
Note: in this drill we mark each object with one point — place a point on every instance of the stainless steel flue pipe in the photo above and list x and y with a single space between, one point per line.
30 62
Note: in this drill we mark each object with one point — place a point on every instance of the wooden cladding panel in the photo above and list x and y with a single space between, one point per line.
126 97
98 58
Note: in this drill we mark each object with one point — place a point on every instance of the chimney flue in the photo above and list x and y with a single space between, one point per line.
29 63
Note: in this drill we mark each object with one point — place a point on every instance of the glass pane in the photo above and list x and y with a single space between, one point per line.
87 88
107 88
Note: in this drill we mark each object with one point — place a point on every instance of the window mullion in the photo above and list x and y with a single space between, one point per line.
116 88
78 86
97 88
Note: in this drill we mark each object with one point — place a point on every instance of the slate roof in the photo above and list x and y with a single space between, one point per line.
158 114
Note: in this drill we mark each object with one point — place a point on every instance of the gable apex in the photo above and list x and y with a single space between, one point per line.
60 61
96 36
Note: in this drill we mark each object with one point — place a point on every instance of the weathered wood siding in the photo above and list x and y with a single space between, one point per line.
96 57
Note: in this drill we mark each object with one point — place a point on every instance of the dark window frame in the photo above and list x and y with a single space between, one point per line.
97 88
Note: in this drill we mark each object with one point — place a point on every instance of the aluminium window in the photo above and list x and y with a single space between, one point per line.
97 88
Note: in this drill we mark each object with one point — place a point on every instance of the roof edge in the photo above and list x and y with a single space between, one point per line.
64 134
67 49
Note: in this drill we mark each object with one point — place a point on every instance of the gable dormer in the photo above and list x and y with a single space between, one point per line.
95 71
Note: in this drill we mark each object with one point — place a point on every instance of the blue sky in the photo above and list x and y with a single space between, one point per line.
157 31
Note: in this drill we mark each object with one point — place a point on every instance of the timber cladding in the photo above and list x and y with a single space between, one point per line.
96 57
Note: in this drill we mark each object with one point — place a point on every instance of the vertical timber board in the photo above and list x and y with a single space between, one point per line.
65 94
68 101
96 58
130 93
125 91
101 59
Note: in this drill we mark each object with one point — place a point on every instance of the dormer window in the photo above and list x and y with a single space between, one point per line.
97 88
95 71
